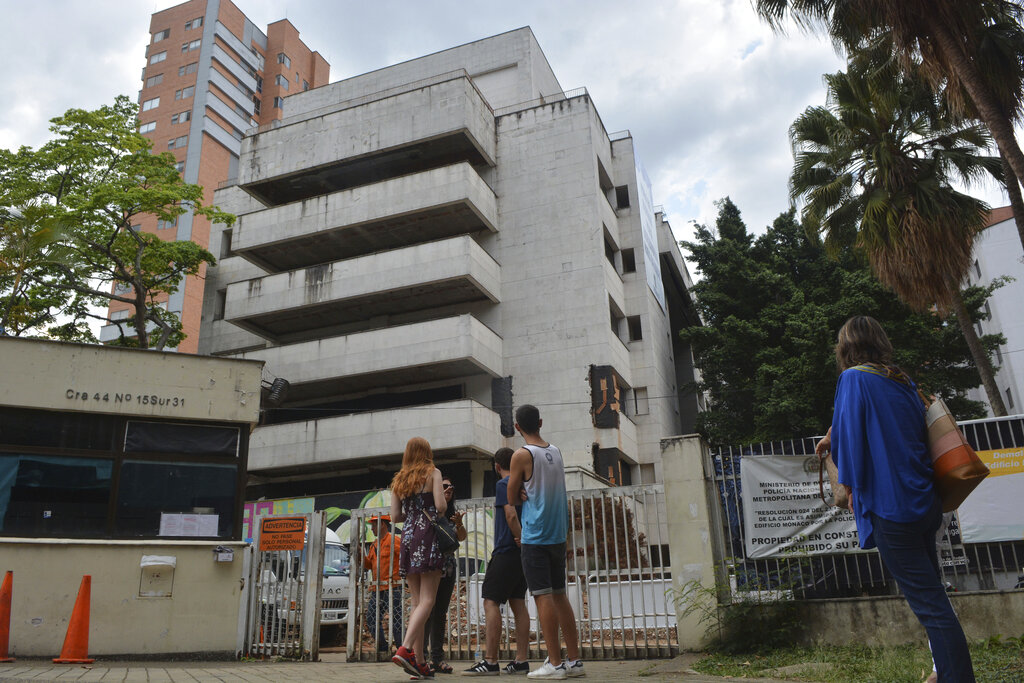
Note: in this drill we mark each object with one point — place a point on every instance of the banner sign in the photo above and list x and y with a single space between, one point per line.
783 513
993 512
649 234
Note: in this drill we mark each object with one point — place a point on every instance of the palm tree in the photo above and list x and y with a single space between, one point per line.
873 168
945 38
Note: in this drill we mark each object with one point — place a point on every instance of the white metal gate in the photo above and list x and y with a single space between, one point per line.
283 589
618 570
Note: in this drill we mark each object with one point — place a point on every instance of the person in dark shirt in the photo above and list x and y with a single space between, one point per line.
504 580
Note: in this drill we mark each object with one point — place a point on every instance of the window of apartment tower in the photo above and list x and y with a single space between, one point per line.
188 69
191 45
622 196
151 104
181 117
641 405
256 105
162 35
180 167
158 57
279 102
147 127
628 261
154 80
305 86
161 224
185 93
195 23
282 58
177 143
281 81
636 330
259 84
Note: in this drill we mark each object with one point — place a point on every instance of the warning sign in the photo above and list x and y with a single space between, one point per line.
282 533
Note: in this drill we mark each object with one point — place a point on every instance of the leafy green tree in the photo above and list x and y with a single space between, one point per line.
953 41
873 169
97 177
771 308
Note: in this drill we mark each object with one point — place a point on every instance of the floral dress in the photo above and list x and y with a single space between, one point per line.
420 553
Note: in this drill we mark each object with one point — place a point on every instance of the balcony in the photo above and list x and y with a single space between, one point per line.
403 133
296 305
416 208
405 355
455 428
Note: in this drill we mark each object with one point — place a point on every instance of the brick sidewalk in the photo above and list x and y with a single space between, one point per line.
332 670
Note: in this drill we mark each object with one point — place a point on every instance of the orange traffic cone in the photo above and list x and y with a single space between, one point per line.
5 616
76 642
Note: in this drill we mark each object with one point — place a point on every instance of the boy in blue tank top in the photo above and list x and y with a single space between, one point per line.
537 478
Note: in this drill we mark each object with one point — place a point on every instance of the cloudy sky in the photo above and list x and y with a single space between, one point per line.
706 89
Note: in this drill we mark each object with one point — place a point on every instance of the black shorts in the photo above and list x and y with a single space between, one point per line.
544 567
504 579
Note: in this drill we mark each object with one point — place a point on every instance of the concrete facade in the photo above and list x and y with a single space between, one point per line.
210 75
999 253
414 240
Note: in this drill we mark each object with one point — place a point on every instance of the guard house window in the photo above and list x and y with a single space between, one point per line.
158 57
636 331
279 103
628 261
622 196
161 35
57 471
147 127
281 81
154 80
195 23
282 58
151 104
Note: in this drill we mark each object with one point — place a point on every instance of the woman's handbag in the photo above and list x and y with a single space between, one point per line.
840 498
958 469
444 531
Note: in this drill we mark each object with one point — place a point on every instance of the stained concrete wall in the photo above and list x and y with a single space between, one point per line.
199 617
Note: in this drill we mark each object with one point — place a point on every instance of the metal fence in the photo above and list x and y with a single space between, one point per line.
618 580
965 567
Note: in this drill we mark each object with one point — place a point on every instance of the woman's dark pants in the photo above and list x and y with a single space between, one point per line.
437 622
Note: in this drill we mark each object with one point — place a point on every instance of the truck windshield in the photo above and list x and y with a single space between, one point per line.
336 560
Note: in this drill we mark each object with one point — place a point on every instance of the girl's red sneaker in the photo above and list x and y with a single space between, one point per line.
406 659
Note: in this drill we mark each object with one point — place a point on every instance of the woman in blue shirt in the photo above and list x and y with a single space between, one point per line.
878 440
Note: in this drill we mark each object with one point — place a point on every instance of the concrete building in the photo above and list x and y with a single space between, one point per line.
421 248
998 252
210 75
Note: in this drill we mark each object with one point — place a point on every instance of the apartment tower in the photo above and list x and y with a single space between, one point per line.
426 246
210 76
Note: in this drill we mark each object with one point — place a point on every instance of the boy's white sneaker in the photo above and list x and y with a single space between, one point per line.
549 672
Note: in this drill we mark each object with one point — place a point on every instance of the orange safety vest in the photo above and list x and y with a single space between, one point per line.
383 553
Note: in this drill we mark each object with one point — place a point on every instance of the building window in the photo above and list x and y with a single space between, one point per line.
177 143
999 356
195 23
161 224
191 45
259 84
256 105
154 80
162 35
1009 399
977 268
121 315
185 93
305 86
122 288
188 69
622 196
181 117
218 304
180 167
282 58
641 404
636 330
279 102
225 244
628 261
151 104
158 57
977 327
282 81
147 127
988 311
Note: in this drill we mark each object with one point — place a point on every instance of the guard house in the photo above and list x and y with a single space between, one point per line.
128 466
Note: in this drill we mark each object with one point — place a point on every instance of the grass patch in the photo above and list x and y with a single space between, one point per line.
995 661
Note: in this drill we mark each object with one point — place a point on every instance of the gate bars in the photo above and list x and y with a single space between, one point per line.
618 578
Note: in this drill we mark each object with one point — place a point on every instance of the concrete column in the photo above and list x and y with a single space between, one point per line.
694 537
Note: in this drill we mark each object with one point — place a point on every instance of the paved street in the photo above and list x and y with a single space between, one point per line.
333 669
